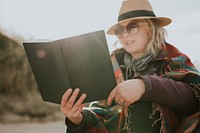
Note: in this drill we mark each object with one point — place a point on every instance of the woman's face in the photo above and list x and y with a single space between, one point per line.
134 36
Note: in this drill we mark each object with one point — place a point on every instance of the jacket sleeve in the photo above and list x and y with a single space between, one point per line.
89 120
92 122
174 94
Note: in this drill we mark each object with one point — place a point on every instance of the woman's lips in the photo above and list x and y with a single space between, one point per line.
130 42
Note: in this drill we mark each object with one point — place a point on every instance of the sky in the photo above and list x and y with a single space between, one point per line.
57 19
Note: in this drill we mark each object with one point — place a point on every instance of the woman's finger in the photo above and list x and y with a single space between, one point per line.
111 96
72 98
125 111
78 111
74 110
78 103
118 98
121 102
80 100
65 97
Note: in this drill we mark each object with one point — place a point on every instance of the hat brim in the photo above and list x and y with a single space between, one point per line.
162 21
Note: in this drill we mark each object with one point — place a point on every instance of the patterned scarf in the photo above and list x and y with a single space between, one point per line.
136 65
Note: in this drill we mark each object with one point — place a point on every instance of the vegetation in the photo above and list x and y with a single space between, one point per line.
19 96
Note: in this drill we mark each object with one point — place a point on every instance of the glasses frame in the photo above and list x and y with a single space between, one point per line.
131 28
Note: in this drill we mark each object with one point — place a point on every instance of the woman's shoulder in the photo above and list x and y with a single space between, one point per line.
179 59
171 51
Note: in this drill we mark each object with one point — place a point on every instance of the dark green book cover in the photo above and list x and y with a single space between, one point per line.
81 61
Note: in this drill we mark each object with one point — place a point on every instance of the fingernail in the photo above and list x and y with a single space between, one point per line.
77 89
69 89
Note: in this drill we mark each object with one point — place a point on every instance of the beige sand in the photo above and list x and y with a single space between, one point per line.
47 127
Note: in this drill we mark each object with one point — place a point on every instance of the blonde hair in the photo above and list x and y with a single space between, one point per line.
157 42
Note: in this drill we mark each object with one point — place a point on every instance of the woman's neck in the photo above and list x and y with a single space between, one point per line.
137 56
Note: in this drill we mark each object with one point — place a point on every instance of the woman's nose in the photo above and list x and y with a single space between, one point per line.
125 34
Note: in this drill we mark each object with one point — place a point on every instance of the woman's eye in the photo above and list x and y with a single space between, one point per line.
131 26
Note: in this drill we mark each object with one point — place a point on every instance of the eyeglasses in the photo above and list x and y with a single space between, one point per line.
130 28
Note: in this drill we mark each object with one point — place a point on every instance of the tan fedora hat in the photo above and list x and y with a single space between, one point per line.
137 9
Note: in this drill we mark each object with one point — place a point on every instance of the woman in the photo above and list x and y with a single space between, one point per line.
161 88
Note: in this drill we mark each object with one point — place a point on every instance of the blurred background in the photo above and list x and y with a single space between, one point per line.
21 106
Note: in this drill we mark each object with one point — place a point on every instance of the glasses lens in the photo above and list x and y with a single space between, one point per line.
132 28
119 31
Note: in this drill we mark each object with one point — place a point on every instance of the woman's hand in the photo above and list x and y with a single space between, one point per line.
127 93
70 108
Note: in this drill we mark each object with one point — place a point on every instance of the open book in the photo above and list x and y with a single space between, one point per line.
81 61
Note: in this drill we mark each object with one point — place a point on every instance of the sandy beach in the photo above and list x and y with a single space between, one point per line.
46 127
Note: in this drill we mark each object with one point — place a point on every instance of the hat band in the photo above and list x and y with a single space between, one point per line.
137 13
